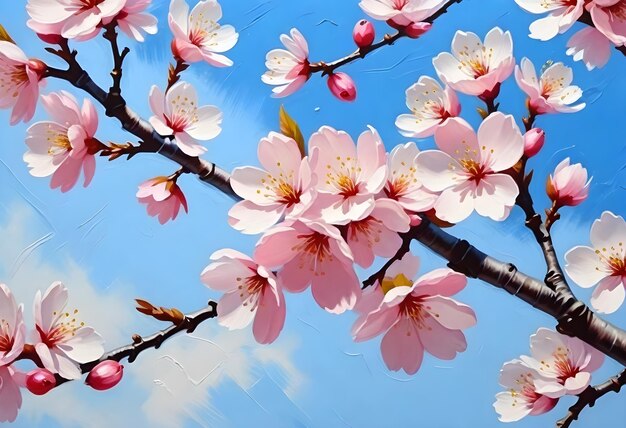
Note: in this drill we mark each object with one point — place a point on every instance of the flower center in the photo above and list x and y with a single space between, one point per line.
550 85
613 259
250 288
288 195
63 329
399 4
184 114
369 229
12 78
526 391
618 11
89 4
475 60
281 188
6 339
475 170
316 246
59 143
202 30
399 280
398 184
342 176
412 308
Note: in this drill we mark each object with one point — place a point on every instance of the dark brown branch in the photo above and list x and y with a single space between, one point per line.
118 59
586 19
380 275
589 397
327 68
174 72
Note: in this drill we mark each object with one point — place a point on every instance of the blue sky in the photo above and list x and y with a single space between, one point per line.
100 242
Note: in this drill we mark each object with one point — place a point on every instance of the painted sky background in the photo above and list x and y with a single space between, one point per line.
100 242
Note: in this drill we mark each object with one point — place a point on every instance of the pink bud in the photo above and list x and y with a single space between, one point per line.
342 86
568 185
40 381
105 375
363 33
533 141
416 29
415 220
51 39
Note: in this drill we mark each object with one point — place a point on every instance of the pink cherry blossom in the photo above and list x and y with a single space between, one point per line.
20 81
402 184
198 36
552 92
282 188
163 198
65 145
562 15
253 294
12 329
590 46
430 105
401 12
474 67
10 395
349 176
568 186
564 363
418 317
288 70
520 397
377 234
468 168
604 263
71 19
61 341
312 253
177 113
134 21
609 17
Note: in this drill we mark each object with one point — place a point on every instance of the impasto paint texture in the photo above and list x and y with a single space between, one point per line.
226 213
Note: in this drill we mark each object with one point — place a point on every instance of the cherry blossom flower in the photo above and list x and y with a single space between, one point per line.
20 81
282 188
416 317
401 12
569 185
562 15
198 36
12 329
61 341
468 168
288 70
564 363
521 397
134 21
604 263
590 46
71 19
65 145
349 176
311 253
10 395
474 67
253 294
402 184
177 113
163 198
430 105
609 17
377 234
552 92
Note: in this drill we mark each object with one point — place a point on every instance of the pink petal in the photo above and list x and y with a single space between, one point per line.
439 341
450 313
401 347
270 316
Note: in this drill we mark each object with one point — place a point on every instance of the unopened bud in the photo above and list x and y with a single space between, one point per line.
363 33
568 185
533 142
51 39
417 29
105 375
342 86
40 381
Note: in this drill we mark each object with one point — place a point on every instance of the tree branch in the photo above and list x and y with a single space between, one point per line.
586 19
118 59
327 68
589 396
380 275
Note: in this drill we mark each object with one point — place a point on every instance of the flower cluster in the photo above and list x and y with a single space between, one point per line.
560 365
61 342
593 44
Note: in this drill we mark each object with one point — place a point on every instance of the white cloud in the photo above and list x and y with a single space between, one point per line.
164 387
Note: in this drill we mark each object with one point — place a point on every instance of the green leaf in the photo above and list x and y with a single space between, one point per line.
290 128
4 35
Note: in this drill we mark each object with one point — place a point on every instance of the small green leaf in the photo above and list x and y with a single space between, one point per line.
290 128
4 35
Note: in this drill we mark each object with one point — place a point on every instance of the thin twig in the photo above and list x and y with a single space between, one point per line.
404 248
118 59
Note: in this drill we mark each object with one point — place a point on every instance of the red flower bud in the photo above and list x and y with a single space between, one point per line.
105 375
40 381
533 141
51 39
416 29
37 66
363 33
342 86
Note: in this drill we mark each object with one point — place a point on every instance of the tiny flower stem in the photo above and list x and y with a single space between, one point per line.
174 72
110 34
174 177
552 215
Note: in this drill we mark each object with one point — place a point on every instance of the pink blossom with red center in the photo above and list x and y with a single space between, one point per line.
178 114
253 294
349 176
416 317
163 198
66 145
609 17
198 36
568 185
72 19
289 69
562 15
401 12
20 81
311 253
283 188
134 21
62 341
